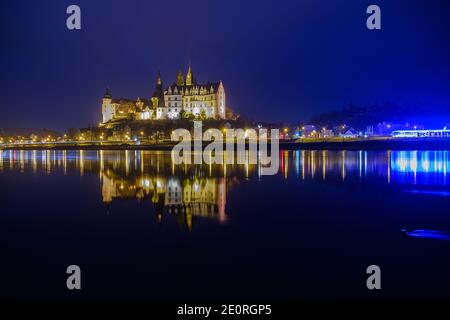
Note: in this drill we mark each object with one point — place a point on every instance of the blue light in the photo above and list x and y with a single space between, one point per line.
432 192
433 133
430 234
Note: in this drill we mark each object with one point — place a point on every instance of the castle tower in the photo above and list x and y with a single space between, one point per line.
107 96
107 108
189 77
158 80
158 94
180 79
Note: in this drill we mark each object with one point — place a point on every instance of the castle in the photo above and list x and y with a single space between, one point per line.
185 98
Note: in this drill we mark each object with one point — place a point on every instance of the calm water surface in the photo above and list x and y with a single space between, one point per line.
141 227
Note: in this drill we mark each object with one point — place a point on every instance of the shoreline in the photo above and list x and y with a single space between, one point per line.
373 144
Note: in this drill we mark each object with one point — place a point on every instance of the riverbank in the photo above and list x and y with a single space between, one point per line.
342 144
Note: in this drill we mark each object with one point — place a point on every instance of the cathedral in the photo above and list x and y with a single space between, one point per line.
185 98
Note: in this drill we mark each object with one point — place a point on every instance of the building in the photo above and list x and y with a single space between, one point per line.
185 98
350 133
326 133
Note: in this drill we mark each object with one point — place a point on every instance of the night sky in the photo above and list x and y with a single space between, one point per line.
280 60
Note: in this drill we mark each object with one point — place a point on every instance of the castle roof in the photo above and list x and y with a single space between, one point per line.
107 94
127 102
207 86
123 100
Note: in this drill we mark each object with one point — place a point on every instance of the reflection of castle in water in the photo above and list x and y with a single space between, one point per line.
181 197
184 192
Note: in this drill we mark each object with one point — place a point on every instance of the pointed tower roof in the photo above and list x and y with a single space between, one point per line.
158 93
180 79
158 80
107 94
189 77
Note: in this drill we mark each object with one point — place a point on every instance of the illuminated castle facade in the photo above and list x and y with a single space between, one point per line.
185 98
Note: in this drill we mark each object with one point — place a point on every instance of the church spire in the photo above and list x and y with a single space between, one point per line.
159 83
189 77
158 80
107 94
158 95
180 79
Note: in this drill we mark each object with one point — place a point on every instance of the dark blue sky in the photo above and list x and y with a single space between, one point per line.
283 60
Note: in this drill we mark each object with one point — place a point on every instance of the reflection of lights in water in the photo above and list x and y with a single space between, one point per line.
429 234
359 163
286 165
426 165
402 164
324 164
431 192
397 167
297 163
303 165
420 167
127 162
419 161
388 165
81 162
